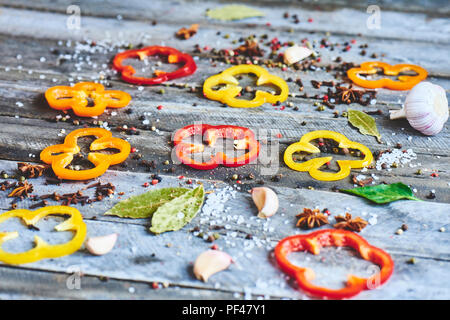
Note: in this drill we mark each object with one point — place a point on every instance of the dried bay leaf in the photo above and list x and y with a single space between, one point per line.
234 12
175 214
144 205
383 193
365 123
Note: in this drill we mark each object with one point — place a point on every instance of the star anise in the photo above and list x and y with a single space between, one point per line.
186 33
349 95
356 224
310 219
29 170
23 190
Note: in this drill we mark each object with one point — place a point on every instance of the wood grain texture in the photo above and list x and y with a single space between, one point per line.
418 34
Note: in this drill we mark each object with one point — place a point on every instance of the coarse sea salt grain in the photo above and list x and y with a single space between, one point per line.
395 156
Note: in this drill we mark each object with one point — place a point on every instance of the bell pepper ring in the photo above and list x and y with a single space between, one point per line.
173 56
42 249
313 165
228 94
405 82
77 98
312 242
61 155
244 139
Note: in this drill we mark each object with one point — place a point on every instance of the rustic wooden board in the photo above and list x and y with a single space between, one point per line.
420 36
131 259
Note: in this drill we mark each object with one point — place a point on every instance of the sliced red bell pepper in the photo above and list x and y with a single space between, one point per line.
244 139
173 56
312 242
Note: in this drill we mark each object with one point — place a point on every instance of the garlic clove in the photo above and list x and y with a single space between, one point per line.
295 54
425 108
211 262
266 200
101 245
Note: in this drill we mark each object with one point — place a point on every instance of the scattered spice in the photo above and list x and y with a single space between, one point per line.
310 219
29 170
186 33
250 48
22 190
361 182
347 223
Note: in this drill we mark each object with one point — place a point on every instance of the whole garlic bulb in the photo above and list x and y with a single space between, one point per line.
426 108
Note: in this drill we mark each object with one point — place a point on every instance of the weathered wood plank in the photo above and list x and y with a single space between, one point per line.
22 23
24 284
390 217
328 15
26 142
130 261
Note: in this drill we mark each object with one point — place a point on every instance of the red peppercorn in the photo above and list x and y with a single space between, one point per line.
310 20
325 98
133 150
155 285
159 107
214 247
282 107
279 135
155 181
434 174
189 181
238 181
353 41
145 185
268 24
180 177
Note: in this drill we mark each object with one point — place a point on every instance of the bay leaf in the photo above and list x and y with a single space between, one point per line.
234 12
383 193
365 123
175 214
144 205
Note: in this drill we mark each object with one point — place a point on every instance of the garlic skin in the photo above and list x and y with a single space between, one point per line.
266 200
101 245
295 54
211 262
426 108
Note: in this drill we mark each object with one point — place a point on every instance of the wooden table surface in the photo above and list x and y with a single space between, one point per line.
39 51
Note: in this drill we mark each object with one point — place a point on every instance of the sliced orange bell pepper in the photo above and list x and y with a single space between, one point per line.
43 250
61 155
77 98
403 83
312 242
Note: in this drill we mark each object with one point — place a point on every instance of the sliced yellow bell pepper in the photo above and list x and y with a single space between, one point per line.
312 166
228 94
42 249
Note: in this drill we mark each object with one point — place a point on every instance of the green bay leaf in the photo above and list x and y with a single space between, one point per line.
383 193
234 12
175 214
365 123
144 205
